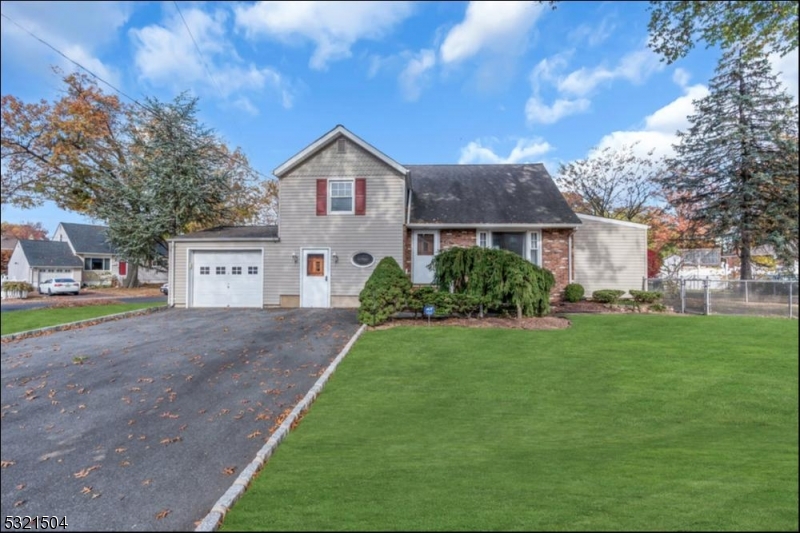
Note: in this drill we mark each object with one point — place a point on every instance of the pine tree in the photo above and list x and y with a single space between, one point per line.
735 170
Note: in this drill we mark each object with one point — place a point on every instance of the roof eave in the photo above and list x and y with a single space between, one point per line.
228 239
558 225
315 146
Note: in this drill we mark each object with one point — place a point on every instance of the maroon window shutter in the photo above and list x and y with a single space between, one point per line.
322 197
123 268
361 196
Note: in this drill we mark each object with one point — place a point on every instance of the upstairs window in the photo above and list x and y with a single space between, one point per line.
341 196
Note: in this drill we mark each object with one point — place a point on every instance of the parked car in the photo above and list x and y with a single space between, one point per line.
165 288
59 286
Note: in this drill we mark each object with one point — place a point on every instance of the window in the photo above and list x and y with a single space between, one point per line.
204 271
315 265
220 271
534 248
341 146
252 270
425 243
363 259
97 263
236 271
341 196
513 242
482 239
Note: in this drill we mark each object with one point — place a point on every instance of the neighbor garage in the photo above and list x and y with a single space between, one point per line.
220 267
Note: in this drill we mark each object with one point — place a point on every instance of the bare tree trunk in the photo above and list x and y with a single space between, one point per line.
746 265
519 312
132 279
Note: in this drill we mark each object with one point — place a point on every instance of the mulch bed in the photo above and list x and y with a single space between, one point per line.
547 322
585 306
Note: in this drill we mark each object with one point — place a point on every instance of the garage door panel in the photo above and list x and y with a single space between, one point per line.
227 279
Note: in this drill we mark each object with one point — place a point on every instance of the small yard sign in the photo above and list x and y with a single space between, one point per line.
428 311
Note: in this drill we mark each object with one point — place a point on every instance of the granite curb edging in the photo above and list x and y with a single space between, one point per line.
214 518
75 325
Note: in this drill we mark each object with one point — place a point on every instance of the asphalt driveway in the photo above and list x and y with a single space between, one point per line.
143 423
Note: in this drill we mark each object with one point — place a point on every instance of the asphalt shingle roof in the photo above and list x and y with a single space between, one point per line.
233 232
486 194
49 254
87 239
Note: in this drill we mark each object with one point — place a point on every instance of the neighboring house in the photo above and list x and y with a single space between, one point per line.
344 205
37 261
84 245
711 263
7 245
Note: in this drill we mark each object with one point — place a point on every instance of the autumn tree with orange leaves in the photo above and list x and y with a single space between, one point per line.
148 171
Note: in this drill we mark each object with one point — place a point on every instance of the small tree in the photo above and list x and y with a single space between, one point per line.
385 293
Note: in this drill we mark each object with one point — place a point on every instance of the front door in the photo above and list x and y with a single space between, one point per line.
315 291
425 244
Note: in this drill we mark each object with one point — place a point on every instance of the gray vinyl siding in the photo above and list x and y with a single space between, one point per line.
609 256
378 232
179 285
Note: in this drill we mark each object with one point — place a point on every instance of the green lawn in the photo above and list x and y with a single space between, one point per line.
15 321
619 423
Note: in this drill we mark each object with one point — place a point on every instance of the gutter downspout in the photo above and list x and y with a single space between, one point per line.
569 241
171 277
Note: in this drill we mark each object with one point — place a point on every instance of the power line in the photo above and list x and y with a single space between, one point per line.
202 59
134 100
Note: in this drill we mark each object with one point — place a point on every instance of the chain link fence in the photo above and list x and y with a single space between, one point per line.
728 297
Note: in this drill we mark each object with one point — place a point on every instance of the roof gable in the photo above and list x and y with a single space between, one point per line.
87 238
339 131
487 194
49 254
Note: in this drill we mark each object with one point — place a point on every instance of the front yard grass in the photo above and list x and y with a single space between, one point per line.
16 321
621 422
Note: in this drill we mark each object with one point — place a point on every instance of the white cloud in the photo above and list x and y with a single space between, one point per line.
165 55
415 74
786 67
537 111
494 26
334 27
658 133
79 29
681 77
525 151
635 67
593 35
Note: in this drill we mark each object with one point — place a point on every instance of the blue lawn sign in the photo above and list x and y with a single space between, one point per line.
428 311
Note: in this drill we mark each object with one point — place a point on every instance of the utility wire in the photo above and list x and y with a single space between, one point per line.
134 100
202 59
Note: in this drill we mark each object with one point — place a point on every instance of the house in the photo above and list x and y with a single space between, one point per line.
344 205
79 251
36 261
713 264
7 245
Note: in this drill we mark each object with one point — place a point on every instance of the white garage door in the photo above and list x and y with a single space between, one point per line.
227 279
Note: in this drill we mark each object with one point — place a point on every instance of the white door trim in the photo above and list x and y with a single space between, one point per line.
414 247
327 253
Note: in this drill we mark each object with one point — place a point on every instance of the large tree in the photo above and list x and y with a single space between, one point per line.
91 153
612 183
747 25
735 169
25 230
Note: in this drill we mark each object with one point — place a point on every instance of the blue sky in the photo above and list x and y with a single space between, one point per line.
430 82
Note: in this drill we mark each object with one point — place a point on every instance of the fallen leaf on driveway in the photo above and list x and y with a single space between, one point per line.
86 490
146 482
229 471
170 441
85 472
6 464
254 434
120 449
162 514
21 486
19 503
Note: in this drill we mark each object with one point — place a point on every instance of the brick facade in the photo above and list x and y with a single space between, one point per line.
555 257
407 251
456 237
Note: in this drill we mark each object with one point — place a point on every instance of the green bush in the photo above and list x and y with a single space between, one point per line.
385 293
445 303
573 292
646 297
17 286
607 296
658 308
495 279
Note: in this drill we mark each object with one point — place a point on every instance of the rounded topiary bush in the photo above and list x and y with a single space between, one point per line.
573 292
385 293
607 296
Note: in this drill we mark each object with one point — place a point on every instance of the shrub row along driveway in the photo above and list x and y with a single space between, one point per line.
143 423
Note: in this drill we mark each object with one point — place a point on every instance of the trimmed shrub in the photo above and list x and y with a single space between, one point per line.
573 292
385 293
495 278
646 297
445 303
17 286
658 308
607 296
